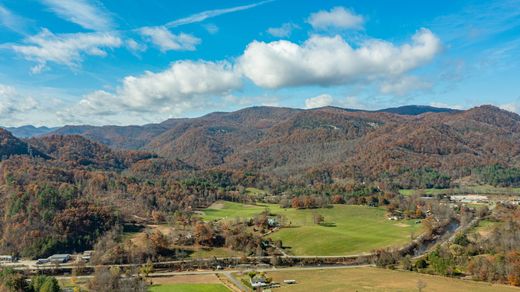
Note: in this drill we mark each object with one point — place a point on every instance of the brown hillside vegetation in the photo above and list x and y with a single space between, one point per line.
288 142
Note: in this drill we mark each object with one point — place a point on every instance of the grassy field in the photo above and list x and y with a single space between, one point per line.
373 279
229 210
347 230
483 189
214 252
189 288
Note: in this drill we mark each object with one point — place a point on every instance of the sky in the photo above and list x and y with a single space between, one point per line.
144 61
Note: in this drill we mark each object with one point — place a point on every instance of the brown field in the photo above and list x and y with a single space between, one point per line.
187 279
374 279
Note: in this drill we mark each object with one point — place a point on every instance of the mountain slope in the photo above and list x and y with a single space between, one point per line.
10 145
285 142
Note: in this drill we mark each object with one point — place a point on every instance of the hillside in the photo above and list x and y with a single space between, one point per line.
10 145
329 141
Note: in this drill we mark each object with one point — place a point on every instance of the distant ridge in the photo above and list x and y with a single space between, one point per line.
414 110
29 131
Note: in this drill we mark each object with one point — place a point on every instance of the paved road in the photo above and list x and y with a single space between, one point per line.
235 281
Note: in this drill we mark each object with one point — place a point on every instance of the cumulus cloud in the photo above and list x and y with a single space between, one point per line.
12 102
337 17
283 31
65 49
404 85
167 41
319 101
90 15
184 86
325 61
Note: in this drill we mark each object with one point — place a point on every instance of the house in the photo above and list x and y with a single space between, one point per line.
6 259
87 255
59 258
258 281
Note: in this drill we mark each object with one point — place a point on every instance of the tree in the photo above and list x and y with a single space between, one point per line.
147 268
406 263
317 218
50 285
421 285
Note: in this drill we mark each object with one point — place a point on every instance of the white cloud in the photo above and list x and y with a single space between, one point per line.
331 60
201 16
134 46
65 49
404 85
512 107
82 12
337 17
283 31
185 86
166 41
319 101
13 105
211 28
445 105
11 21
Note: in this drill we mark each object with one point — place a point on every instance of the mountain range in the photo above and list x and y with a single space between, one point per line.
286 142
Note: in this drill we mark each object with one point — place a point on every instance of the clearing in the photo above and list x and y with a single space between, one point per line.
188 283
347 229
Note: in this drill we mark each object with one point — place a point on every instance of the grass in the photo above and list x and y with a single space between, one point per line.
347 230
189 288
356 229
484 227
214 252
477 189
255 192
373 279
229 210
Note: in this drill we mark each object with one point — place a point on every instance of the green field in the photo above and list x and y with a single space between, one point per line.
373 279
189 288
229 210
348 229
483 189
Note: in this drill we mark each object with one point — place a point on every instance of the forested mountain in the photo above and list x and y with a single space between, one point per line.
10 145
180 164
290 142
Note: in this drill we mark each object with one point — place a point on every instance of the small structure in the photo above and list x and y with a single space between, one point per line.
59 258
6 259
289 282
258 281
470 198
272 222
42 261
87 255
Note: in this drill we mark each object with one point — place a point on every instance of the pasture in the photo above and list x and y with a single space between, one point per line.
374 279
346 230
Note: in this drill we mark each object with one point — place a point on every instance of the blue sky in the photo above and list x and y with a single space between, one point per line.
105 62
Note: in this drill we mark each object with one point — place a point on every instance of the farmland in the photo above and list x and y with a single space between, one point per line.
189 288
373 279
346 230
